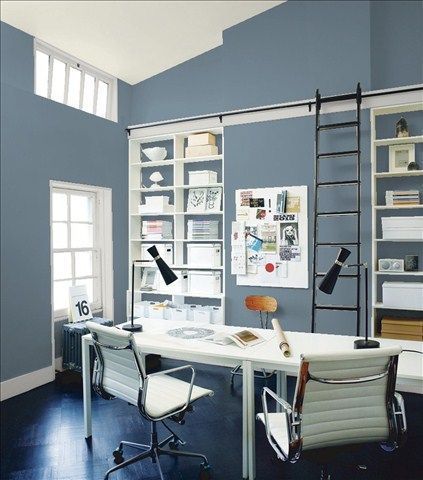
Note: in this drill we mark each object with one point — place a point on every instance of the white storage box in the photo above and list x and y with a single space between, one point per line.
204 254
165 251
205 138
202 177
140 309
202 315
156 312
402 228
403 295
155 204
216 315
178 286
179 314
206 282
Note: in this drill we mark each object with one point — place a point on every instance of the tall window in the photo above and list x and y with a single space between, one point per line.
76 243
67 80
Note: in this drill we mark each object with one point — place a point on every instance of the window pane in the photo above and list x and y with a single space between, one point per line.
60 207
58 81
83 264
62 265
74 87
102 99
88 100
61 294
60 235
81 208
81 235
88 282
41 73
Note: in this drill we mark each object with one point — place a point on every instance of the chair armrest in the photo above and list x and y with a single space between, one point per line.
168 372
286 410
401 420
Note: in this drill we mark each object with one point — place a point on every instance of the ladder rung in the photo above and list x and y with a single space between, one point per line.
335 214
351 308
339 98
331 184
345 153
337 244
332 126
343 275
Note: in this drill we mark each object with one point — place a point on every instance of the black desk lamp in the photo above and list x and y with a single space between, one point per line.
328 284
167 274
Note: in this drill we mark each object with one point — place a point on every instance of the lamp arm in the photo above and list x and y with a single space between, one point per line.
366 287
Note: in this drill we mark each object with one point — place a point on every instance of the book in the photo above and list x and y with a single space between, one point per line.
242 338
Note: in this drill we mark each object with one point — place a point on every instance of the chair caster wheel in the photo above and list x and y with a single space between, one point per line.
205 472
118 456
174 445
388 447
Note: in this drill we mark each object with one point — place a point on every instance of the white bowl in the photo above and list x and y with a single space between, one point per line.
155 154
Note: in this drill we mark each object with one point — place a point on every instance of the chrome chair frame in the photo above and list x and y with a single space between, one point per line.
394 407
156 448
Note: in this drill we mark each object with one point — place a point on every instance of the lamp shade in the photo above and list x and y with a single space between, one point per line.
329 280
166 272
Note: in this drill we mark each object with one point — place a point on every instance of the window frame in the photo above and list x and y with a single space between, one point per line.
102 247
84 68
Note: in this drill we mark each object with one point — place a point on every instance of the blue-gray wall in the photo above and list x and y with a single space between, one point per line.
43 140
283 54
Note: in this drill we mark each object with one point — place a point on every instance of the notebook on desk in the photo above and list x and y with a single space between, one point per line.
243 338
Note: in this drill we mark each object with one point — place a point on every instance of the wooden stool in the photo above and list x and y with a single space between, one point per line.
261 304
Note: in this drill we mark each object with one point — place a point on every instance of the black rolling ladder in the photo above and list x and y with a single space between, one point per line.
318 185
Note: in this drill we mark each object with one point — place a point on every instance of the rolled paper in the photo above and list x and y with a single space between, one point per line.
281 338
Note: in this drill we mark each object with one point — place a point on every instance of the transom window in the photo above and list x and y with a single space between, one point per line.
67 80
76 250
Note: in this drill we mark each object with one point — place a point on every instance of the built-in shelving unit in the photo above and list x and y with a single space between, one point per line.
175 185
379 160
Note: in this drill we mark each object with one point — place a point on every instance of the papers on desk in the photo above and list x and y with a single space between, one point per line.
243 338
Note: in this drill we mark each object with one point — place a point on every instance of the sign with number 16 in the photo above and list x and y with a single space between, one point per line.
78 304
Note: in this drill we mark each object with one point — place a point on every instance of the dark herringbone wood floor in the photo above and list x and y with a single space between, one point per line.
42 438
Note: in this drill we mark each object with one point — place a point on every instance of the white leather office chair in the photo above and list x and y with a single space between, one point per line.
119 372
340 399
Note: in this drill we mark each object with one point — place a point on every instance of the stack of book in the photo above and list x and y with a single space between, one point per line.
402 197
156 230
402 328
203 229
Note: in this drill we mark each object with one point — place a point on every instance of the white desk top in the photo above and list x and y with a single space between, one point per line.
154 339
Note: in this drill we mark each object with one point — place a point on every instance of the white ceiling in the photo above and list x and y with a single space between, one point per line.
132 40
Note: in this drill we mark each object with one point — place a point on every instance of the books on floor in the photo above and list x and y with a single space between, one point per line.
156 230
203 229
402 197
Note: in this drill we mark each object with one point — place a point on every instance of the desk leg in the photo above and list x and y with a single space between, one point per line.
248 367
281 388
244 422
86 387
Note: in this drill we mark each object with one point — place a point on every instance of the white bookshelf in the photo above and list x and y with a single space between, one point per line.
378 175
139 171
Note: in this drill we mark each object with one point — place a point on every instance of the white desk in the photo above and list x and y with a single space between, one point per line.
154 339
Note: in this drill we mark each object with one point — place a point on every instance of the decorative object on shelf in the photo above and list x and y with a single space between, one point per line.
167 274
402 228
400 156
402 197
328 284
197 200
156 177
391 265
155 154
201 177
149 279
201 139
156 204
402 328
413 166
411 263
214 199
401 128
188 333
201 144
408 295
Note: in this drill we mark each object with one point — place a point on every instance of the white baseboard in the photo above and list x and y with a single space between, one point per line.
58 364
24 383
